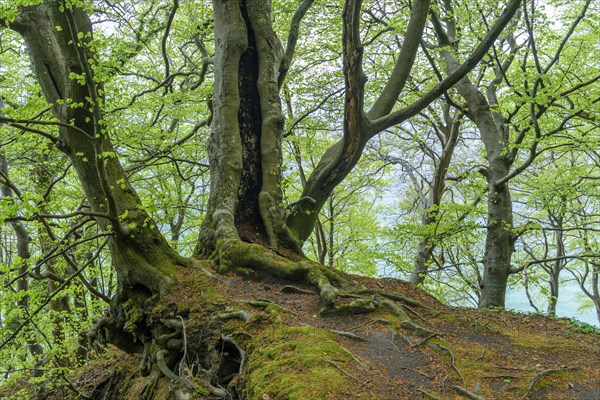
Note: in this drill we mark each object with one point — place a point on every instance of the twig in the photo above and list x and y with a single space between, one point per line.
505 376
476 359
427 394
418 372
342 369
365 323
540 375
453 359
466 393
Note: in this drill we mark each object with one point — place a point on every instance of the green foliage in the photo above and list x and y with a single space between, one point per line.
374 220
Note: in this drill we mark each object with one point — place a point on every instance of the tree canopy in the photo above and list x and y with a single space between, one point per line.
451 142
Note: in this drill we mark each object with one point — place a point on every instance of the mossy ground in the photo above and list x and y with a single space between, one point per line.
303 358
291 352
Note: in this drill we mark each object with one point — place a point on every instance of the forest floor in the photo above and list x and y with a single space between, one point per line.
460 353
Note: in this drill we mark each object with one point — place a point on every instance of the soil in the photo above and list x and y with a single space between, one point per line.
464 353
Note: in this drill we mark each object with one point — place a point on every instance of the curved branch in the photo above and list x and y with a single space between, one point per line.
163 43
395 84
480 51
293 39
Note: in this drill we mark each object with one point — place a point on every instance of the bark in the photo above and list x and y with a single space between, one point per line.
557 265
140 255
448 134
245 143
499 245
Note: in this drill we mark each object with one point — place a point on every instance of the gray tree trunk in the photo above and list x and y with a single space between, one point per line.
245 143
557 265
499 244
140 254
448 134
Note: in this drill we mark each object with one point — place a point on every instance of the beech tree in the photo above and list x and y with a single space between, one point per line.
246 225
506 128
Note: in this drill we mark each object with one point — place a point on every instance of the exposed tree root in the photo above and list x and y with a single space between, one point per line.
350 335
540 375
480 357
266 304
294 289
453 363
215 365
466 393
395 297
240 257
239 314
148 391
429 395
342 370
424 340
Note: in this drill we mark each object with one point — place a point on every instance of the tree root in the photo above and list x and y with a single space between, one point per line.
424 340
349 335
466 393
162 365
540 375
358 306
239 314
239 256
453 363
233 255
480 357
342 370
296 290
394 296
429 395
266 303
148 391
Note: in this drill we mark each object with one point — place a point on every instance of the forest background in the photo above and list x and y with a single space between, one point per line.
507 158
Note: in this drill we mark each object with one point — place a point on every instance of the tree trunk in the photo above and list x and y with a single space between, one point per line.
499 244
61 59
35 350
557 265
245 144
448 134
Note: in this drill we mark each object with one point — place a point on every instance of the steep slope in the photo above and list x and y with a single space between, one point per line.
409 347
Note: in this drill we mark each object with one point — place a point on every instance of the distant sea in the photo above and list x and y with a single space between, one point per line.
569 299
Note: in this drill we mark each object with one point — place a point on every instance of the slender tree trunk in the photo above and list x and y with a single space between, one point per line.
448 133
557 267
35 350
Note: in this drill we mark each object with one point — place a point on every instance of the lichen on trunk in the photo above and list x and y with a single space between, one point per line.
246 201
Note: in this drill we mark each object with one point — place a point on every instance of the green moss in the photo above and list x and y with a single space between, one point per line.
297 363
133 314
236 255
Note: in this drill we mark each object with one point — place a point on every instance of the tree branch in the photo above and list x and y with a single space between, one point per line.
293 39
480 51
397 80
